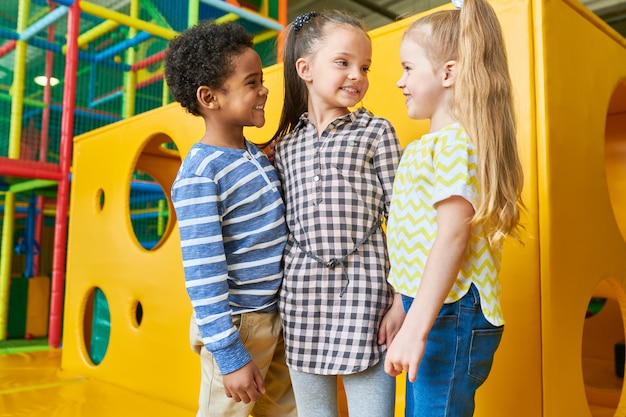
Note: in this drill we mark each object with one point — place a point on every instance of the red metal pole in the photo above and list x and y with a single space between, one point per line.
67 136
28 169
153 59
47 96
7 47
43 142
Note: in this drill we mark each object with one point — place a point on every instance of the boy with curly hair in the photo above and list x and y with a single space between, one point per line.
232 229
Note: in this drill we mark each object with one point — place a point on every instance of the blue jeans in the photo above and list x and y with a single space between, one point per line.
458 358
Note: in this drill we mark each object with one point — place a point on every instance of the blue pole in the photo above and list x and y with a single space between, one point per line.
92 83
96 102
96 116
122 46
9 34
43 23
252 17
67 3
29 236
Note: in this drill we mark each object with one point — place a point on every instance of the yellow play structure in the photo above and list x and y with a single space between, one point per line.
556 358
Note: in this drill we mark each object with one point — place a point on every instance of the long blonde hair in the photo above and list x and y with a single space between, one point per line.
483 104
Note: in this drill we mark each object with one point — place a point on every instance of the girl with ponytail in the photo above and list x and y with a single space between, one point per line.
456 197
336 162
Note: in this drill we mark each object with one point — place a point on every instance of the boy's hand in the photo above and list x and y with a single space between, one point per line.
245 384
270 150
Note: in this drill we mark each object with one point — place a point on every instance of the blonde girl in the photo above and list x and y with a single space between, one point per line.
337 167
456 197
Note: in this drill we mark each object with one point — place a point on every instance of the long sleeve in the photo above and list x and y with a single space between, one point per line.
206 270
232 234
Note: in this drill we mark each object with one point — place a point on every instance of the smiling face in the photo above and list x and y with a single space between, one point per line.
427 87
420 82
336 73
242 97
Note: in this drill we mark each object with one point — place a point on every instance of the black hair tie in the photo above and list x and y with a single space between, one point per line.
302 19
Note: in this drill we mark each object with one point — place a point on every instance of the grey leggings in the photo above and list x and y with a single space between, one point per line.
370 393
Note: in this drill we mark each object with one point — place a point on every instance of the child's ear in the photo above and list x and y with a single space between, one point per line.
303 69
449 74
206 98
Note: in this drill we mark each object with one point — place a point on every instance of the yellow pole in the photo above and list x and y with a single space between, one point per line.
95 32
162 210
126 20
15 134
130 77
17 90
165 94
5 261
194 13
264 36
229 17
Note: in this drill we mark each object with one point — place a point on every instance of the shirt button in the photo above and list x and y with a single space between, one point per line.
316 178
331 126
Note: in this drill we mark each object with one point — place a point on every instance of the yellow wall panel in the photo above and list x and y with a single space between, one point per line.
569 71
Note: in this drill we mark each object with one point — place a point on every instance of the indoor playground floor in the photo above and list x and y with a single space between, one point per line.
32 384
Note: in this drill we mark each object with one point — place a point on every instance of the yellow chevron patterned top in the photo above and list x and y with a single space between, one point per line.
435 167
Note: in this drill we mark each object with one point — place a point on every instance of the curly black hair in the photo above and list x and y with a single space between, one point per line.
202 56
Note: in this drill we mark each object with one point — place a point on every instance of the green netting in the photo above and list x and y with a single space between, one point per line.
119 74
105 90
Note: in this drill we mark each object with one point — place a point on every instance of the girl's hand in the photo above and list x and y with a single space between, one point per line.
442 267
405 354
391 322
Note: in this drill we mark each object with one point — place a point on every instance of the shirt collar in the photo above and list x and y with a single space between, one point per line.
360 117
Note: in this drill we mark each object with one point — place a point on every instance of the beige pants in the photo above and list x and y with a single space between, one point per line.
261 334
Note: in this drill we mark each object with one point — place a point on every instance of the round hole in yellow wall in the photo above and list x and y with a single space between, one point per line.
149 201
603 349
96 325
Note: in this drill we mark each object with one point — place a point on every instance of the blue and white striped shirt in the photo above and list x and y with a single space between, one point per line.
232 234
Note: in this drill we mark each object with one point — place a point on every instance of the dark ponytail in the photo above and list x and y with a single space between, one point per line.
303 37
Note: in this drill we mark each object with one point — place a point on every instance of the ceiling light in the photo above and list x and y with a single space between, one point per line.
42 81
